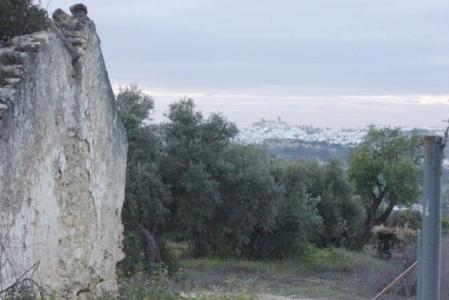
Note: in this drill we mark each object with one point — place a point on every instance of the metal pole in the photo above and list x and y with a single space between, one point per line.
419 271
431 234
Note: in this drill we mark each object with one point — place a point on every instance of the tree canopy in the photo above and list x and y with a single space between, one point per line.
189 179
146 196
385 169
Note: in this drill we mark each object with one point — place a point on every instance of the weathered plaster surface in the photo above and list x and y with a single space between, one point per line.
62 160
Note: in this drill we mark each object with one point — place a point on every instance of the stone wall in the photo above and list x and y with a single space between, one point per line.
62 160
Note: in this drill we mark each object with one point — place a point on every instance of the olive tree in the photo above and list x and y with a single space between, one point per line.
385 168
146 196
342 214
194 149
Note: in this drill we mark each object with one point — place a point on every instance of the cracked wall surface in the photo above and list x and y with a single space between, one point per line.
62 160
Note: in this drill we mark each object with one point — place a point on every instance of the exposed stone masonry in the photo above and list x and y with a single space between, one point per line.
12 61
62 160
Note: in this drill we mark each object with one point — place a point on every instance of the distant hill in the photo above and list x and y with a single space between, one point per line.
299 149
279 130
308 142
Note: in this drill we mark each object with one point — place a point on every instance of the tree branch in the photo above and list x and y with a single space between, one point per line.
23 279
385 215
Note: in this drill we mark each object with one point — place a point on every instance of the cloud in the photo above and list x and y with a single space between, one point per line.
280 48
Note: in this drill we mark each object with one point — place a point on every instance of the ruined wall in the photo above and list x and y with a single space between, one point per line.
62 160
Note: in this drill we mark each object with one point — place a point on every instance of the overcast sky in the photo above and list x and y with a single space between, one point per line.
323 62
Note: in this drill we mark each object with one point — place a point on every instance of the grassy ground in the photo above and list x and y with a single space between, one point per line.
318 274
314 274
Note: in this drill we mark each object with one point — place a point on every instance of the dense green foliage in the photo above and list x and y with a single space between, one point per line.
146 196
385 169
189 180
296 221
194 147
249 200
342 212
19 17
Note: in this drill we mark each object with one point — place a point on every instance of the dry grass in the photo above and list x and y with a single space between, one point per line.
314 274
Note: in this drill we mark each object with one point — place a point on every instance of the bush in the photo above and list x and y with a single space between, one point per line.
133 246
395 243
19 17
405 219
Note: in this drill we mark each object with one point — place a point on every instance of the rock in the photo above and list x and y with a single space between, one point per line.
10 57
78 9
11 82
62 161
6 94
14 71
60 16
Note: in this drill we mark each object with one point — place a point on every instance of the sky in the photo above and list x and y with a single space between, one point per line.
345 63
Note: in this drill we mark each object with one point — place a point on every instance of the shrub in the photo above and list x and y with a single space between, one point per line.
395 243
135 260
406 219
19 17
